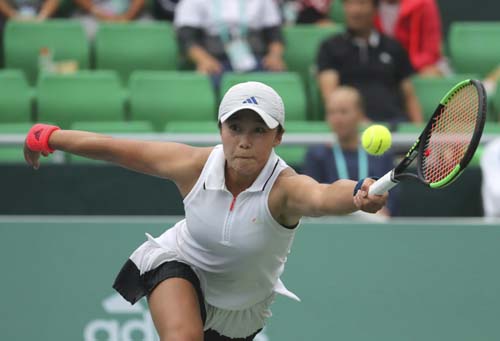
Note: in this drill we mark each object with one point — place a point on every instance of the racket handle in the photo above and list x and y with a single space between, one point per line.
383 184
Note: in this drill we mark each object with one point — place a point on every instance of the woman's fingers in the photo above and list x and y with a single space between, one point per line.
32 158
26 156
369 203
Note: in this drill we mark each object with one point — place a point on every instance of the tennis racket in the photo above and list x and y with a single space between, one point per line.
447 143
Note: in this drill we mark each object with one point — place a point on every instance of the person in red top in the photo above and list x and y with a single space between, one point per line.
416 24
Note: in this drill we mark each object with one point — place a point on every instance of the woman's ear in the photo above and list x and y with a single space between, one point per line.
278 137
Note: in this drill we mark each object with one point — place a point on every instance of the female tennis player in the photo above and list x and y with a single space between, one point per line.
214 275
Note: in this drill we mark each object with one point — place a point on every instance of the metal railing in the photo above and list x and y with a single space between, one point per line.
401 142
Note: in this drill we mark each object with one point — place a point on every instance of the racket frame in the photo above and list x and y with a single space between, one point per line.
476 136
393 177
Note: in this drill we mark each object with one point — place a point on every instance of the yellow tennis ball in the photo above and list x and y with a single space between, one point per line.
376 139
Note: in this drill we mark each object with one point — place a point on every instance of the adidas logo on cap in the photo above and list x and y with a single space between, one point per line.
250 100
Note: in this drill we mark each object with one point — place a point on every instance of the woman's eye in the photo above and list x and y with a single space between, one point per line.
234 127
260 130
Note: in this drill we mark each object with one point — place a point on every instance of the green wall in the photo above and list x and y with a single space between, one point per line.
110 190
432 280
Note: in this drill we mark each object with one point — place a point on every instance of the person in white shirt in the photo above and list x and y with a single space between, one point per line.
230 35
93 12
490 167
35 10
214 275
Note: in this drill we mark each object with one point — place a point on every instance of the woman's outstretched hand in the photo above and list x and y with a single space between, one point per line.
37 142
33 158
368 202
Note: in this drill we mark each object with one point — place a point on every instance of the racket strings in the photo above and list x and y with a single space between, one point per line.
450 135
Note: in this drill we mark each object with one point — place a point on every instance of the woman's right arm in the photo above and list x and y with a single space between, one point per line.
178 162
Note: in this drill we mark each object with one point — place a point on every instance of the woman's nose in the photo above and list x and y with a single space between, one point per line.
245 141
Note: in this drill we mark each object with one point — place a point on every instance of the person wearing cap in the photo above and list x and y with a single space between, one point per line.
214 274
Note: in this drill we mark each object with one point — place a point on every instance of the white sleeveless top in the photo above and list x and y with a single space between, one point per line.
235 246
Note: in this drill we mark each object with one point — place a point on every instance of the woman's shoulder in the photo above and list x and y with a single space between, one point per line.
202 154
191 168
192 160
285 175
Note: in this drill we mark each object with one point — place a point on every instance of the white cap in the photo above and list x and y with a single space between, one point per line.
257 97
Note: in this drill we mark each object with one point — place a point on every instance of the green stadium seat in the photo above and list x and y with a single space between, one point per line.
302 44
15 97
15 154
188 127
430 91
409 128
306 127
84 96
288 85
317 106
294 155
492 128
135 46
474 46
191 127
122 127
15 128
165 96
337 13
24 39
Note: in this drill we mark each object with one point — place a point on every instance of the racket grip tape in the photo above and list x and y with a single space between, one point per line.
37 139
383 184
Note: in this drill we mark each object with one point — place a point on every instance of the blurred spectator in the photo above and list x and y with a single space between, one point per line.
93 11
36 10
373 63
416 24
28 9
314 12
230 35
346 159
490 166
491 80
164 9
306 11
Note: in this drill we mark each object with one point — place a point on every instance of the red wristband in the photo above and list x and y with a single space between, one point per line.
37 139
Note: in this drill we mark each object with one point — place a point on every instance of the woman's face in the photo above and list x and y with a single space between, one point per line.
247 142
